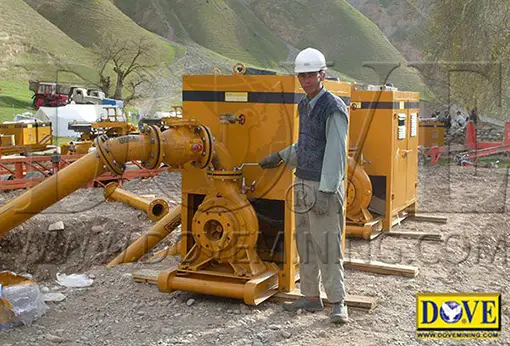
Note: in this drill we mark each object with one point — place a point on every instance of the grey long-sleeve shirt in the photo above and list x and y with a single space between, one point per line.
334 162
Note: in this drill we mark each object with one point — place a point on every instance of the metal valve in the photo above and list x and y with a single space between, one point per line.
232 119
245 188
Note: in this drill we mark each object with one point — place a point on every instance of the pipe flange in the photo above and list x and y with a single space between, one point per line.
216 229
156 156
106 155
109 190
207 145
157 209
178 122
230 175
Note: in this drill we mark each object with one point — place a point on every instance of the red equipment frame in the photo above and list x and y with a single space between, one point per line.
18 167
473 149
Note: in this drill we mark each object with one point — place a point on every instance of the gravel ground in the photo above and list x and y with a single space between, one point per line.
117 311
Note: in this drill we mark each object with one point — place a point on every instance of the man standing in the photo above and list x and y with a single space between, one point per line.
474 115
319 157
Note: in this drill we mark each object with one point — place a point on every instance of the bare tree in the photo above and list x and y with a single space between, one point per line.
130 62
133 88
477 34
104 79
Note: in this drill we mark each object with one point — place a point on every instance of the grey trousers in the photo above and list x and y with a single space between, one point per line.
319 242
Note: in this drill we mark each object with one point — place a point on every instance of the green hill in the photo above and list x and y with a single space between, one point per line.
94 23
32 47
15 98
402 22
227 27
260 32
39 37
345 36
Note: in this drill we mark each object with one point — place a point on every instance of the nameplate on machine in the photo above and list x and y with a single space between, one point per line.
236 96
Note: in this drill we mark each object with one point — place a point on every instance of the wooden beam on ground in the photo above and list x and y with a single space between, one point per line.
352 301
381 267
416 235
147 276
428 218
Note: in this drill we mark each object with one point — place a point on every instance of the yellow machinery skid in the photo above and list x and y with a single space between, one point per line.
252 291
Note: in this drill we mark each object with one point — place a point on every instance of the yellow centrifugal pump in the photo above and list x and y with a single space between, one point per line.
237 220
238 233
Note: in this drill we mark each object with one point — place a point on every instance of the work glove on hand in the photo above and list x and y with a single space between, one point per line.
271 161
321 203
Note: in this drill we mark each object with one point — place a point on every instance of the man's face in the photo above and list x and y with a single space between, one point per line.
311 82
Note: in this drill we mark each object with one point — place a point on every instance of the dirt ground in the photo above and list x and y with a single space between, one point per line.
117 311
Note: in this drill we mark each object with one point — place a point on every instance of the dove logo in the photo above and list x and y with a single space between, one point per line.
451 312
458 312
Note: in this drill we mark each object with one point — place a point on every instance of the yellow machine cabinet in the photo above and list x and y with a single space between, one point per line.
431 133
389 149
28 134
253 116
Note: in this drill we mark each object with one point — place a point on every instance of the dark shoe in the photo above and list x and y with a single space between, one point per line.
339 313
310 305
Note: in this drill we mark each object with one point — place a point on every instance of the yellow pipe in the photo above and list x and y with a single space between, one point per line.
155 209
69 180
177 146
215 288
183 142
49 192
169 281
222 159
149 240
361 231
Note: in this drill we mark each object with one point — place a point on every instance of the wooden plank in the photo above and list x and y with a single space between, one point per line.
375 235
416 235
381 267
428 218
352 301
147 276
398 219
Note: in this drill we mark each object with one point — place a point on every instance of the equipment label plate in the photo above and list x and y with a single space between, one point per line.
231 96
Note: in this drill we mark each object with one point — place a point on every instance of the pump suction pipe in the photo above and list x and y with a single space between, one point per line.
184 141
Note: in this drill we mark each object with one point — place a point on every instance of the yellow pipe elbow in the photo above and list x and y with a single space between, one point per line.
155 209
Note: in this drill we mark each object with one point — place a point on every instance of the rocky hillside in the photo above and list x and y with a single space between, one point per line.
402 22
42 38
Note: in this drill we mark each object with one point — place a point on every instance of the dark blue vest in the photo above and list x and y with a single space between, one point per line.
312 134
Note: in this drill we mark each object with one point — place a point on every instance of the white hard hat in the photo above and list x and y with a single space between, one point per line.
310 60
